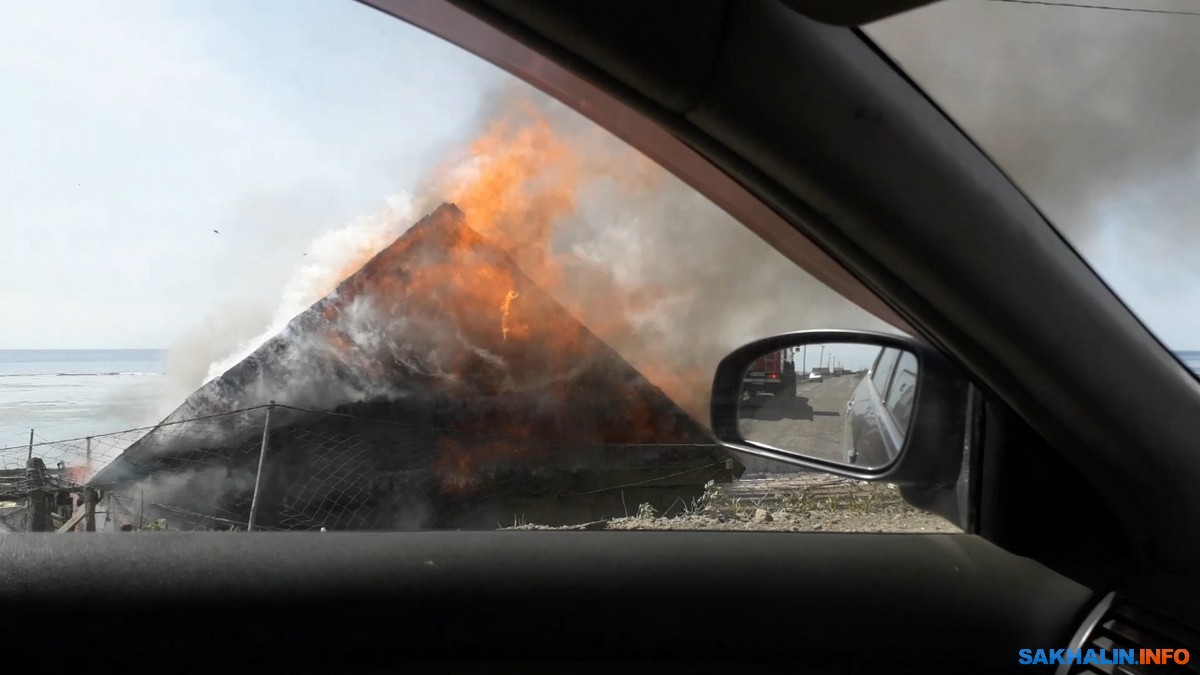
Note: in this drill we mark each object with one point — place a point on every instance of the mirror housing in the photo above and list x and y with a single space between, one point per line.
932 453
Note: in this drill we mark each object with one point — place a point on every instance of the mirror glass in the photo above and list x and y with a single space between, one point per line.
838 402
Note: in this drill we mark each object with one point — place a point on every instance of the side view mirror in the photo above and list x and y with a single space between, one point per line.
871 406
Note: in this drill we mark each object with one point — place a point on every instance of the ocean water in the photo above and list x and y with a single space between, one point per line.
77 392
1190 359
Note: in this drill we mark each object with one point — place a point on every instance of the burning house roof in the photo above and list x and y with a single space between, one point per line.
454 378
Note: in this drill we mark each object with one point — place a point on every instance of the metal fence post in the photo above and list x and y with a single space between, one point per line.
262 455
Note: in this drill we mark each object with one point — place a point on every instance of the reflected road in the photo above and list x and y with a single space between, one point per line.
810 421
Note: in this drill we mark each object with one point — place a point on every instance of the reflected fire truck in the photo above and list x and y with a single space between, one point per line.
770 375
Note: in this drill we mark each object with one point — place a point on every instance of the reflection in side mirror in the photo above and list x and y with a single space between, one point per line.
845 403
866 405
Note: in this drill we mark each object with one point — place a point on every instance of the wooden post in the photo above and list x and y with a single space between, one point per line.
39 512
262 455
90 498
39 506
89 453
30 446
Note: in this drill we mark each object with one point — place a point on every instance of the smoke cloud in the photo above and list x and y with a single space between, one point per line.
332 257
656 270
1089 110
659 272
210 486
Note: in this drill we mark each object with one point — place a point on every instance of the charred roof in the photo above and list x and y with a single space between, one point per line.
442 358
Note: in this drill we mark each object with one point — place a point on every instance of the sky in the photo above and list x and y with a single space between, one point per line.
131 131
848 356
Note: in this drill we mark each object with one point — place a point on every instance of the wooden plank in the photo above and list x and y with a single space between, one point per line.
74 520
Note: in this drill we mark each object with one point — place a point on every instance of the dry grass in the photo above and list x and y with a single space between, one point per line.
823 505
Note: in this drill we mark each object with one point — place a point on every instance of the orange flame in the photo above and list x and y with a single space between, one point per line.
516 186
77 474
517 183
504 308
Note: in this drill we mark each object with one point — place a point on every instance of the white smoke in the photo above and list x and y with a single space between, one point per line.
712 285
209 486
330 258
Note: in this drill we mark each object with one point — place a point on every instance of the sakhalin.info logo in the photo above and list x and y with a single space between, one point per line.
1027 657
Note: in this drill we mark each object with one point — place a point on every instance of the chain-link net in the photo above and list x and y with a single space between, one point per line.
62 469
315 470
190 474
346 472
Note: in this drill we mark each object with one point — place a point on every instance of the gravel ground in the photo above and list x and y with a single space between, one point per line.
793 503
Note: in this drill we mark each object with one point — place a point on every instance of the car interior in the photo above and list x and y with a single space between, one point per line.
1081 525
